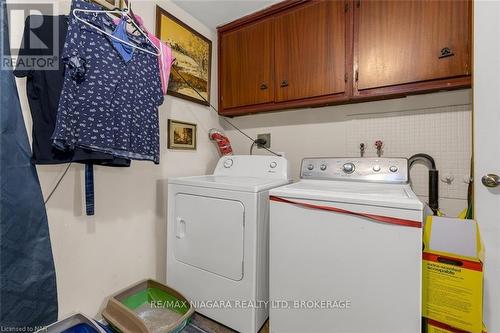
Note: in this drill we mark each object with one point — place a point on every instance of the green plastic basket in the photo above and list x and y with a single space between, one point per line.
148 307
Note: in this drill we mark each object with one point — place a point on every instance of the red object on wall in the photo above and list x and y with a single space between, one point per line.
223 143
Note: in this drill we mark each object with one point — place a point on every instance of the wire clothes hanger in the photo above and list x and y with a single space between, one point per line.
123 13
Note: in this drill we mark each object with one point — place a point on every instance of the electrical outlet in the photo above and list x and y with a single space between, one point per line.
266 137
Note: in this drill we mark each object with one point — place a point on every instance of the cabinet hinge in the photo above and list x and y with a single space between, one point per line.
358 3
346 7
345 77
221 98
356 76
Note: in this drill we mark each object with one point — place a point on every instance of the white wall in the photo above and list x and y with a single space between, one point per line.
126 240
438 124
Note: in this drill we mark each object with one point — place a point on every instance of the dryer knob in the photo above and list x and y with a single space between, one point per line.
273 165
228 163
310 166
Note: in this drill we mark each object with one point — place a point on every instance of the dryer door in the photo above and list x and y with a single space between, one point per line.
209 234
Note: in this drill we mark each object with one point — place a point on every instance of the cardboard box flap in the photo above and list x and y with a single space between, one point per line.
453 237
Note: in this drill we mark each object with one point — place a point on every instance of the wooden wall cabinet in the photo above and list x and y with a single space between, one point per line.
411 46
310 51
304 53
247 70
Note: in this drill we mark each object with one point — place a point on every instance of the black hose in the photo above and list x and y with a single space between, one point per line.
433 179
422 157
434 190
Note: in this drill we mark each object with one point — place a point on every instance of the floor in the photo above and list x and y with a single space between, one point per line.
202 324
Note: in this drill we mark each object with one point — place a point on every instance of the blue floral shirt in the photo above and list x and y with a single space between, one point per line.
108 104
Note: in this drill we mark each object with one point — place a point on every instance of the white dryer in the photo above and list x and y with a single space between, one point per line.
345 249
218 238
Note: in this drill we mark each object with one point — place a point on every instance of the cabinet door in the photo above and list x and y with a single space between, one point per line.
401 42
310 52
246 65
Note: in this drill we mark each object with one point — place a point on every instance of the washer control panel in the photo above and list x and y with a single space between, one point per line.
386 170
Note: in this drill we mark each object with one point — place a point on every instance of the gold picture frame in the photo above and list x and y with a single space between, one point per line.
181 135
111 4
193 57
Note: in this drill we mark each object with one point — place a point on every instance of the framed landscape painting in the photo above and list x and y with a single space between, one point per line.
192 52
181 135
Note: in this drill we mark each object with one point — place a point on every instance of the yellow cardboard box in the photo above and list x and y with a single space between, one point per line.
433 326
452 273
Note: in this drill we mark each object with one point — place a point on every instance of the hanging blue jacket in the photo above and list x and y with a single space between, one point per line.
28 295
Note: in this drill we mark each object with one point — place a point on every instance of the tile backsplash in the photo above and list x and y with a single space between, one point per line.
445 133
438 124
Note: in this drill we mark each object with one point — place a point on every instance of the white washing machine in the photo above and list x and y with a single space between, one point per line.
345 249
218 238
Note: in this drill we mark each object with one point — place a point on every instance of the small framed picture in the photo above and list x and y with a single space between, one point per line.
181 135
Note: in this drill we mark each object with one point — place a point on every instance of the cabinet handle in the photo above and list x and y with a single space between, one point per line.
263 86
446 52
284 83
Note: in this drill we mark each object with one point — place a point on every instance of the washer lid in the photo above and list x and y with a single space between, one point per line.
386 195
243 184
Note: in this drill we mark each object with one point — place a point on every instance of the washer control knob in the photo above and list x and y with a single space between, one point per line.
228 163
348 167
273 165
393 168
376 168
310 166
323 167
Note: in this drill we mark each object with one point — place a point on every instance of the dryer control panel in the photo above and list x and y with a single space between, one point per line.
385 170
259 166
